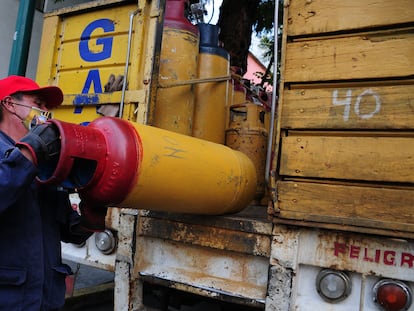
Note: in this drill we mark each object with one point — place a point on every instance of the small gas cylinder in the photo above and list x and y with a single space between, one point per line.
211 98
237 92
247 133
174 106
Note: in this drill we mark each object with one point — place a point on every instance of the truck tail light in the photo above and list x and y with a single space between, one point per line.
392 295
332 285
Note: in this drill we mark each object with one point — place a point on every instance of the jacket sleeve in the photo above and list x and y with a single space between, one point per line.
16 175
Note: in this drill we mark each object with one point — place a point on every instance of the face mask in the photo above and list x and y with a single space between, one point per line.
36 116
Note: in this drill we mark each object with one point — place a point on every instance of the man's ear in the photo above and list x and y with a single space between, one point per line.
7 103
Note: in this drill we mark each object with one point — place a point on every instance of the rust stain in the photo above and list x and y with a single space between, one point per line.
207 236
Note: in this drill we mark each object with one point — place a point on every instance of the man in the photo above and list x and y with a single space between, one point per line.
33 218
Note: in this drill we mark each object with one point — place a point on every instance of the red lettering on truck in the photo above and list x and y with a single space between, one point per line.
387 257
407 259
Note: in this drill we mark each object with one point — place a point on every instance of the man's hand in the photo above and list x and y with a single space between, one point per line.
42 142
92 217
114 84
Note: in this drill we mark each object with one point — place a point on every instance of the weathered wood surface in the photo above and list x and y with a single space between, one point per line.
365 158
349 107
316 16
345 139
365 56
355 205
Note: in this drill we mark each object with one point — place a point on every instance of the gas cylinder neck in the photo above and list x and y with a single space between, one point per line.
175 17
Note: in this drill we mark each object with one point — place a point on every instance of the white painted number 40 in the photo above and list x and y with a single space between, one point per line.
347 103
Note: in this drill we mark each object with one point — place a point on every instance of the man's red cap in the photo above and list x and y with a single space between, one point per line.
52 95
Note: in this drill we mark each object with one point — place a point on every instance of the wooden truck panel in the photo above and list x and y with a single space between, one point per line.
345 136
311 17
356 157
351 57
350 106
348 205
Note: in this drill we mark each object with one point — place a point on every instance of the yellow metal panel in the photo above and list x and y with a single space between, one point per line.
83 48
46 67
67 113
353 107
72 82
388 159
74 25
317 16
104 50
69 49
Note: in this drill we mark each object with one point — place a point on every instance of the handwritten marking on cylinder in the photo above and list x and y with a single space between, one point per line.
174 152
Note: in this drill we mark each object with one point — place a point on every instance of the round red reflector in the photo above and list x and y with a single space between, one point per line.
392 295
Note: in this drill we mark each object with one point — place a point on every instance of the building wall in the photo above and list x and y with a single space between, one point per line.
254 65
8 15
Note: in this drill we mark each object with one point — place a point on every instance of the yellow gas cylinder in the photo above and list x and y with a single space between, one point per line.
265 99
211 98
113 162
247 133
189 175
174 106
237 92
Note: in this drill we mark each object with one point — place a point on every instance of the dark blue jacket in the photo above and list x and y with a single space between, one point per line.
33 221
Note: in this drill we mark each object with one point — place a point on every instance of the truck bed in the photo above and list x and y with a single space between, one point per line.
214 256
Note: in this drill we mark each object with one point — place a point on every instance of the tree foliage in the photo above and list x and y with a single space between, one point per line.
236 22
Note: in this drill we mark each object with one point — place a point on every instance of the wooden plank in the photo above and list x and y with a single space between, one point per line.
386 159
313 17
368 56
364 206
367 107
342 227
